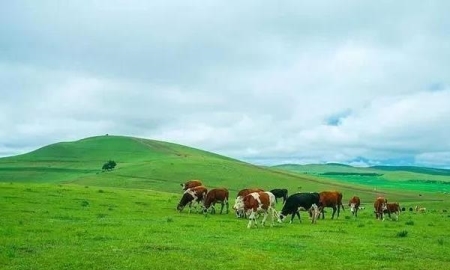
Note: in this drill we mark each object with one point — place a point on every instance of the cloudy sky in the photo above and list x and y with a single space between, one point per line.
356 82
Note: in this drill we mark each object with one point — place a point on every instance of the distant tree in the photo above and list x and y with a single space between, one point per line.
108 166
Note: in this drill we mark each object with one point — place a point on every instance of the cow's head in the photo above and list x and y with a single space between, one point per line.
315 212
353 207
187 198
239 206
281 217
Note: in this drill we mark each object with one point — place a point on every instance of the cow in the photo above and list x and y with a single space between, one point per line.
420 209
392 208
191 196
216 195
300 201
380 206
259 202
331 199
280 193
354 204
238 203
191 184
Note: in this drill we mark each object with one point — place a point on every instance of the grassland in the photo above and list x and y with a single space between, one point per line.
59 211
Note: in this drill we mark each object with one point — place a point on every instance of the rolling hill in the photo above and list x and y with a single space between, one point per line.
162 166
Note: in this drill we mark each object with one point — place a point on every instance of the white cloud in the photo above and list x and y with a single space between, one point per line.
293 82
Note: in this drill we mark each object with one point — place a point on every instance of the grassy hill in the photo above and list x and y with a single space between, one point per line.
162 166
400 177
60 211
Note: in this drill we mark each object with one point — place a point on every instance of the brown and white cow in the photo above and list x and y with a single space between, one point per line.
331 199
214 196
379 206
393 208
191 196
354 204
239 202
420 209
259 202
191 184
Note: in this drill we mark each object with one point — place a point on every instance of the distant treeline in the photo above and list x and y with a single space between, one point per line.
352 173
430 182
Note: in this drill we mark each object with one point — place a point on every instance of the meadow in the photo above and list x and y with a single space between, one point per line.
67 214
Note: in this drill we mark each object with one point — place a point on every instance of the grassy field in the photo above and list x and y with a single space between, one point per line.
59 211
79 227
393 178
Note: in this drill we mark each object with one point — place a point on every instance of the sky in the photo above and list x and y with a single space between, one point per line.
356 82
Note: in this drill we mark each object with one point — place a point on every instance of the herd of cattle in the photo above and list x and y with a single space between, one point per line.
251 203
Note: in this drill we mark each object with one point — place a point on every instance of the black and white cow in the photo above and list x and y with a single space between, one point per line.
301 201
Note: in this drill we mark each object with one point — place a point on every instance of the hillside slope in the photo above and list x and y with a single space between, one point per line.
162 166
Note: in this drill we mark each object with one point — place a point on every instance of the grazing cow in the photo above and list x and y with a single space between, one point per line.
280 193
392 208
300 201
420 209
191 196
354 205
380 206
191 184
259 202
239 202
331 199
216 195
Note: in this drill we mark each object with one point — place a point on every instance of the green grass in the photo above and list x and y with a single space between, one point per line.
49 226
59 211
381 177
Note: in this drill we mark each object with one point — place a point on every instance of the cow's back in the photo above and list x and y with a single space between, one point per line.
297 200
191 184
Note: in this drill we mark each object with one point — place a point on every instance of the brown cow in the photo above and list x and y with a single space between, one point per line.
354 204
331 199
191 184
380 206
216 195
194 195
238 203
392 208
259 202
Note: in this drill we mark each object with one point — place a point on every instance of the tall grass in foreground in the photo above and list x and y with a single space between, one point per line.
82 227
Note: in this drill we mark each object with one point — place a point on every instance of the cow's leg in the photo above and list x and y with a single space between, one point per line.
252 219
227 205
221 207
263 222
294 214
334 212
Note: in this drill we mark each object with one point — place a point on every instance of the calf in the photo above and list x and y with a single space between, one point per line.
191 184
380 206
280 193
354 204
239 202
216 195
331 199
300 201
259 202
191 196
420 209
392 208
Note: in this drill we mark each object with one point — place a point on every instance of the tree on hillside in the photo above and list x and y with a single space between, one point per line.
108 166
